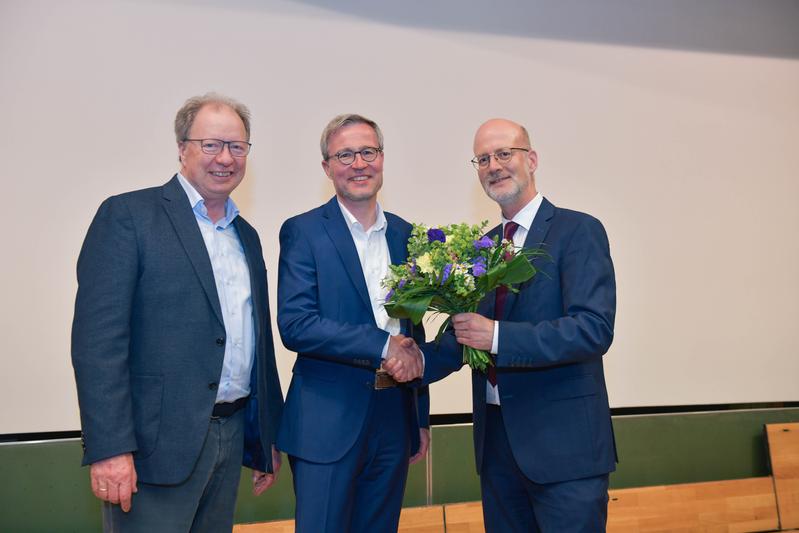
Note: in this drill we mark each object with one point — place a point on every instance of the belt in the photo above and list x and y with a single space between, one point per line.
226 409
383 380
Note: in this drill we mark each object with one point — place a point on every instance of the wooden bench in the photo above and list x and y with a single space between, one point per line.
783 446
734 505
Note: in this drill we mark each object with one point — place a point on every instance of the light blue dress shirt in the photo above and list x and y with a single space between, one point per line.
232 277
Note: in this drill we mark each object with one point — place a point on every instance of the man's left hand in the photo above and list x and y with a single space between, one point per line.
473 330
424 445
263 480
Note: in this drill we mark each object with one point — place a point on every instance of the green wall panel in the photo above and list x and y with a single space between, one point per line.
453 469
686 448
44 489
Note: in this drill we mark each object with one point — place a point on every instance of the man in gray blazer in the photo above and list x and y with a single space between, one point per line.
172 340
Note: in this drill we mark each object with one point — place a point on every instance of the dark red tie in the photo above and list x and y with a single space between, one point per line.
502 294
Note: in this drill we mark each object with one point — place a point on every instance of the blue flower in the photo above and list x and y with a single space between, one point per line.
484 242
479 266
446 272
435 234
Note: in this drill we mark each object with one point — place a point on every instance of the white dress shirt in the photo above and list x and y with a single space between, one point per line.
232 277
375 258
524 218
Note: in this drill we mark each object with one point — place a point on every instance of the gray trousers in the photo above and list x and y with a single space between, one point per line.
204 503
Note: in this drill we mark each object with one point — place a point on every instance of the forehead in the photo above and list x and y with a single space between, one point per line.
218 121
353 136
491 137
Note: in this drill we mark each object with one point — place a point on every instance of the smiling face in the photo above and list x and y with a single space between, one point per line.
214 176
510 184
361 180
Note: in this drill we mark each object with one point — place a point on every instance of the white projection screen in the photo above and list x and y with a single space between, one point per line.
674 122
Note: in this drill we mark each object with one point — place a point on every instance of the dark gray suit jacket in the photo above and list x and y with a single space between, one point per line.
148 338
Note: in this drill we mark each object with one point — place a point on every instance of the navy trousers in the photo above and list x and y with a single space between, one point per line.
514 504
362 492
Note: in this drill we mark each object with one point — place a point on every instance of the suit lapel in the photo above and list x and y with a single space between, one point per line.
397 243
336 228
398 249
486 306
535 238
177 207
250 245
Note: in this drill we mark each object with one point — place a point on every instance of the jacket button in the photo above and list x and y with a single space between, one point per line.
213 386
220 341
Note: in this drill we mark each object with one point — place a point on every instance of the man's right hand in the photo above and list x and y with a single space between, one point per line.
114 480
403 359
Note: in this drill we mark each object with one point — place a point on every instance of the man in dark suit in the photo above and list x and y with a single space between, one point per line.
543 439
349 430
172 342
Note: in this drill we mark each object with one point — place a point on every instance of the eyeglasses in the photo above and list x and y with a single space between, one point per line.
215 146
347 157
502 155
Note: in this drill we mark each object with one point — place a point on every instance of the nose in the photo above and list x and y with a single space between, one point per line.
359 162
493 163
224 157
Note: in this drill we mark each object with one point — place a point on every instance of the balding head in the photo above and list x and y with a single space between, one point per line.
506 129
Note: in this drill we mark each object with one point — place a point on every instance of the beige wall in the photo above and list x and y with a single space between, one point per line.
684 145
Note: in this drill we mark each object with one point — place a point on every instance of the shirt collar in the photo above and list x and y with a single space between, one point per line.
352 222
525 216
198 204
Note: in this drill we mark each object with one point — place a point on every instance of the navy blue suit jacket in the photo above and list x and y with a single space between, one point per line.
552 337
148 337
324 314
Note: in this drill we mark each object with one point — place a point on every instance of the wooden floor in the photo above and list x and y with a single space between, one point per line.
412 520
731 506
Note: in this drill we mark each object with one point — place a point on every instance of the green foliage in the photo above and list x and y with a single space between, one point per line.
453 276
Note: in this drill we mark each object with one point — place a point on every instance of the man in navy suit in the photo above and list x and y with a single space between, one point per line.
543 439
172 341
349 429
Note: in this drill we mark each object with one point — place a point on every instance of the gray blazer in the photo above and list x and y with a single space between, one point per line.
148 338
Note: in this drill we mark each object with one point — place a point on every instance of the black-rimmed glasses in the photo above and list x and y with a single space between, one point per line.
215 146
502 155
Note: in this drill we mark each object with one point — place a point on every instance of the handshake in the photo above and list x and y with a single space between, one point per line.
404 361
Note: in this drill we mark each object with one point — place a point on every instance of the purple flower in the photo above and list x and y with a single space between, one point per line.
413 267
479 266
484 242
389 295
402 283
435 234
446 272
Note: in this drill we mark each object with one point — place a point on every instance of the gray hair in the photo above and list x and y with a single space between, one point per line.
186 114
345 120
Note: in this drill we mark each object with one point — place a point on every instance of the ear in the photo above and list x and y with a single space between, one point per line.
532 161
181 151
326 168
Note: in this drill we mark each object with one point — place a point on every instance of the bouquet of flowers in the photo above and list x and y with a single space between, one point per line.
449 270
